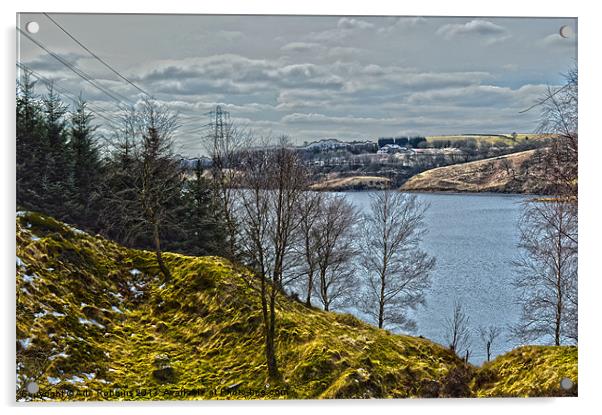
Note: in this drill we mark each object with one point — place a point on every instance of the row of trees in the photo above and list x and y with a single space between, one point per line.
313 243
130 187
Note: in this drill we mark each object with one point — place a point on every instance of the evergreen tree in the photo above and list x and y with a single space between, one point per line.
117 219
55 170
86 166
204 234
29 137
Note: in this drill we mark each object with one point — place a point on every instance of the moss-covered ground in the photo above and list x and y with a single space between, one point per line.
529 371
95 321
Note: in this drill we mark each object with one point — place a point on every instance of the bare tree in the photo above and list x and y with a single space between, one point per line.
274 182
310 209
458 331
547 272
226 144
488 336
559 117
397 270
335 248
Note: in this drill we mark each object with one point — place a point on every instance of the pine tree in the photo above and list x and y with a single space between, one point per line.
204 233
56 178
28 142
119 211
86 166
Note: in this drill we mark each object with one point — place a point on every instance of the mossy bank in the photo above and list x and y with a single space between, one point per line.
96 322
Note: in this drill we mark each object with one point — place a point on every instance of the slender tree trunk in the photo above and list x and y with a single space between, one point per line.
270 348
558 288
162 266
310 287
381 303
324 290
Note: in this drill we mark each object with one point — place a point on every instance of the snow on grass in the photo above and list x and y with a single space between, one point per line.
75 379
56 356
25 343
40 314
90 322
116 309
20 263
30 278
135 272
75 230
53 381
136 289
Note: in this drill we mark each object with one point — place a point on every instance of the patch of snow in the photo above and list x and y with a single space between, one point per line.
135 289
75 230
135 272
52 380
34 238
91 322
30 278
25 343
19 262
90 376
117 310
25 291
40 314
50 269
57 314
75 379
56 356
21 213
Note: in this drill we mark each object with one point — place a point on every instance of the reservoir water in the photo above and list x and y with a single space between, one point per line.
474 240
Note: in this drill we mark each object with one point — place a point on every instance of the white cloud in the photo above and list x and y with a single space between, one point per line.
556 41
477 27
300 47
352 23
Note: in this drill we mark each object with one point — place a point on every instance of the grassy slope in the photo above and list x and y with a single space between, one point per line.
488 175
94 316
528 371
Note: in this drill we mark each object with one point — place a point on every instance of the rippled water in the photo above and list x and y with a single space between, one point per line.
473 238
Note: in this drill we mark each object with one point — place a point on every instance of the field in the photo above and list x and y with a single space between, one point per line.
489 138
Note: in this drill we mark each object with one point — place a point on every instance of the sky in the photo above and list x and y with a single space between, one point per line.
311 77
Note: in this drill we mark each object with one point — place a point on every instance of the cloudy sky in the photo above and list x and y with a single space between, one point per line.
313 77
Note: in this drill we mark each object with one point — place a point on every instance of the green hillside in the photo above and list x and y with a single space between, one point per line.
95 322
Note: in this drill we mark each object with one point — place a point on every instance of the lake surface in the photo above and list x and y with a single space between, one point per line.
473 238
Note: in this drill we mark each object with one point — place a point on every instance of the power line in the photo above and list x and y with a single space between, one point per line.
77 71
63 92
97 57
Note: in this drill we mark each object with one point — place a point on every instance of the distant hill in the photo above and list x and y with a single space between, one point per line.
352 183
95 322
513 173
